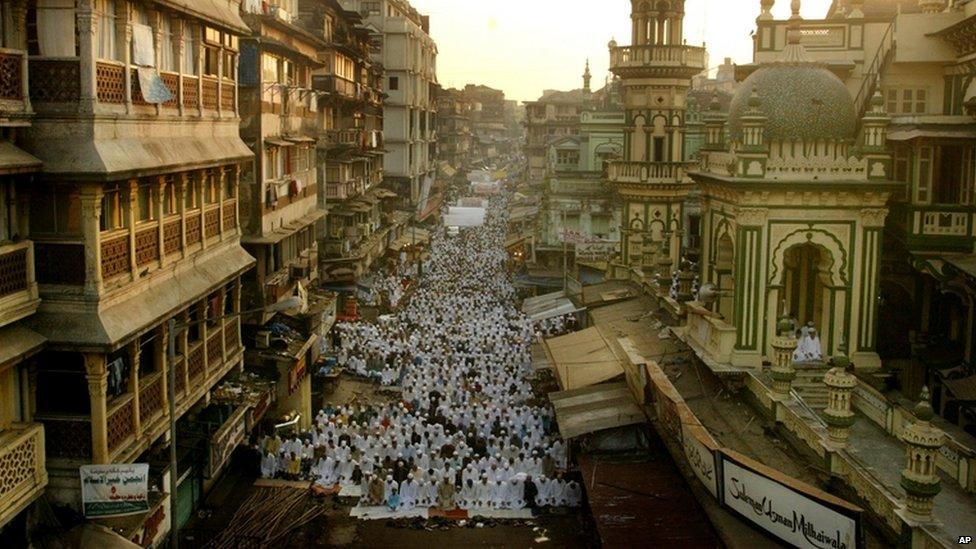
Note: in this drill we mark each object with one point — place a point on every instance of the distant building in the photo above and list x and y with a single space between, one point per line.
409 57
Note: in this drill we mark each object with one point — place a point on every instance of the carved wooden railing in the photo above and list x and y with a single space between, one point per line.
150 397
55 80
12 76
120 424
115 255
110 83
14 272
23 474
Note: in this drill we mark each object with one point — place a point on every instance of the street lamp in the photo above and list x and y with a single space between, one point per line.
295 303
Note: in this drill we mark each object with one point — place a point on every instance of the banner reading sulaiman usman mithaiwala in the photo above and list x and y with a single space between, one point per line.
114 490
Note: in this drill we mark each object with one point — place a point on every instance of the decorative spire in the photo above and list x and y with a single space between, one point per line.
766 7
587 77
794 52
795 6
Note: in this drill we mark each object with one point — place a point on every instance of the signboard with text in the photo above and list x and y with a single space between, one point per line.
114 490
699 449
801 517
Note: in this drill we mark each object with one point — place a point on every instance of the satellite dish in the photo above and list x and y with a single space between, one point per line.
708 293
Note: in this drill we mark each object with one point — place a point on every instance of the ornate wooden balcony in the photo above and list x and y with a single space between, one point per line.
18 287
23 474
646 172
680 60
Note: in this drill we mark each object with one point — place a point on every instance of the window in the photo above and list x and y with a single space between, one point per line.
147 354
659 149
51 29
147 202
168 47
170 204
269 68
925 157
107 33
394 83
192 193
114 208
191 39
230 185
54 210
906 101
212 189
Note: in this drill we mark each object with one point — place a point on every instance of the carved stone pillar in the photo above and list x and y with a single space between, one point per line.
87 29
920 478
782 371
839 415
134 386
91 215
97 375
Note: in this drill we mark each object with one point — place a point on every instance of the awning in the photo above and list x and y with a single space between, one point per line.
14 160
962 389
300 139
284 232
941 132
277 142
18 343
223 13
164 297
548 306
464 217
125 157
597 408
385 193
582 359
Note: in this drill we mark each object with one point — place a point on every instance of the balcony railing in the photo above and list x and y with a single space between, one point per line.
15 275
337 85
714 335
12 76
347 138
646 172
23 474
633 57
55 80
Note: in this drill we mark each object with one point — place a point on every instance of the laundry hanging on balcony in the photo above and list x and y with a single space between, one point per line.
151 85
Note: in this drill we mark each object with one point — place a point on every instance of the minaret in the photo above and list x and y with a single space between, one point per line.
650 182
586 78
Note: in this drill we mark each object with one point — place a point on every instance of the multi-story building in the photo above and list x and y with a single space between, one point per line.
280 206
134 218
23 474
651 181
409 57
916 54
489 121
351 144
454 130
553 116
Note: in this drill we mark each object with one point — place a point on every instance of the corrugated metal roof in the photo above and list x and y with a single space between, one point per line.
582 359
596 408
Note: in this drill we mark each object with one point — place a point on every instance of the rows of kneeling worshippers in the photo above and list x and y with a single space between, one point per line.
422 466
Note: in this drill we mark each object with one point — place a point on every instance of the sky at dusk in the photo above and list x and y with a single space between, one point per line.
524 46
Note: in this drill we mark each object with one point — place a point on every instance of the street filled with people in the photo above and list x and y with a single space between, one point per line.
467 431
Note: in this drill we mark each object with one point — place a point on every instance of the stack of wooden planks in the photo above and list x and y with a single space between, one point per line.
268 517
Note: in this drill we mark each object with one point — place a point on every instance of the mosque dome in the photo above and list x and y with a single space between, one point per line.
801 100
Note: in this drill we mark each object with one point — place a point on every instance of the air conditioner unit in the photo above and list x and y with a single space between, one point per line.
262 340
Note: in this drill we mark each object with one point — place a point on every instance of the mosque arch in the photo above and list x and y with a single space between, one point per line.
834 260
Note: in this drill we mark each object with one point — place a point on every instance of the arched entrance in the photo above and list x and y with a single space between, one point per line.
806 282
